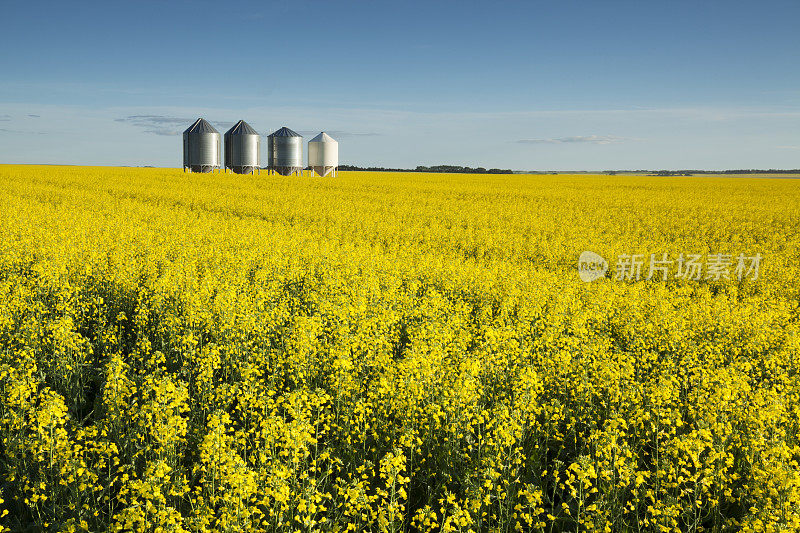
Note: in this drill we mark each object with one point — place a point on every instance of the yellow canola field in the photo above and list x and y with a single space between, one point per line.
394 352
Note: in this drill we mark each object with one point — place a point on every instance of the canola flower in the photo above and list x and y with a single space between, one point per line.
393 352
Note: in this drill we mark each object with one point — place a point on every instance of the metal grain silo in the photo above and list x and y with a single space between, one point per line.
242 149
323 154
285 151
201 147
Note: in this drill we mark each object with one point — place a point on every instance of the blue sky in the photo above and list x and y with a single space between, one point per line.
555 85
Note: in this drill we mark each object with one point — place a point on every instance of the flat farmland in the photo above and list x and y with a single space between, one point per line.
397 352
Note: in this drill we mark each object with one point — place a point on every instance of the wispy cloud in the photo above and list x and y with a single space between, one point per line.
153 119
157 124
167 132
347 134
34 116
22 132
338 134
580 139
789 147
165 125
5 118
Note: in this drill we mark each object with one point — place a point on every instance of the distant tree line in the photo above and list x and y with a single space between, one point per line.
672 173
755 171
455 169
373 169
452 169
739 171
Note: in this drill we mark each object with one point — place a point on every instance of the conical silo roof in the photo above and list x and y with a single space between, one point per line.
241 128
284 132
201 125
323 138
